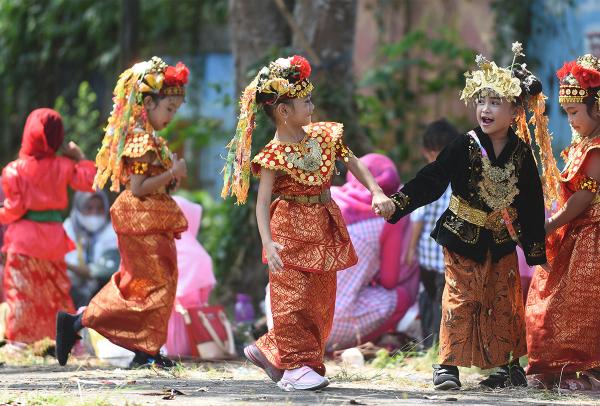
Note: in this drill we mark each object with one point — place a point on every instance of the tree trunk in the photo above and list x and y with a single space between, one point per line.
329 27
256 28
130 11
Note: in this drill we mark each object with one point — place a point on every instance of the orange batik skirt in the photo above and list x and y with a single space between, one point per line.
35 290
483 320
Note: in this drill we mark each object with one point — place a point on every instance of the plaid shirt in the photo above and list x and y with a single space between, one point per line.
430 252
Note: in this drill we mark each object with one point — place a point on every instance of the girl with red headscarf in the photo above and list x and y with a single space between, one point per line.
35 280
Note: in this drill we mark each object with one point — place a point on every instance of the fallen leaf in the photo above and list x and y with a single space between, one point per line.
170 394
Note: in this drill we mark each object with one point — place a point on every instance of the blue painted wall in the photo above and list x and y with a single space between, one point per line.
561 32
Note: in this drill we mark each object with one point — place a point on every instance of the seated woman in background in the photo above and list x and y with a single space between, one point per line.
96 256
195 280
2 228
373 295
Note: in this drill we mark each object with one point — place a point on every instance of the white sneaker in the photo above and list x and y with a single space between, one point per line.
303 378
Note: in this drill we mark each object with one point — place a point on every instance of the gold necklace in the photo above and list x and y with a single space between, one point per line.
309 158
498 188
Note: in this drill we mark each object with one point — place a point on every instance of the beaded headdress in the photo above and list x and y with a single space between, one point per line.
579 79
517 84
128 114
284 78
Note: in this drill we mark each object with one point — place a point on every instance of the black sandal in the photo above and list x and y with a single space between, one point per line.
506 375
144 360
446 377
66 336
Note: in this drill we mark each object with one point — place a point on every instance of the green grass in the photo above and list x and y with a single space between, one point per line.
54 400
349 375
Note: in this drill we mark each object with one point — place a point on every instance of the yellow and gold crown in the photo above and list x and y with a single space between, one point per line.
160 78
490 80
284 78
572 94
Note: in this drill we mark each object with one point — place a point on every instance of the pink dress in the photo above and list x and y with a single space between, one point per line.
195 280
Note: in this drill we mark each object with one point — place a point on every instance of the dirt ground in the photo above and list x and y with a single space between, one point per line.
41 381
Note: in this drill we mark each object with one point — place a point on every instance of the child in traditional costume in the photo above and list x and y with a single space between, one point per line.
133 309
563 306
496 203
36 284
305 240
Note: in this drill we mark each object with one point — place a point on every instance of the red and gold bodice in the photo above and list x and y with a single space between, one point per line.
573 176
314 235
156 212
137 145
309 163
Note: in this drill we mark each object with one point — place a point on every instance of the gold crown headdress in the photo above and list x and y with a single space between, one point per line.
491 80
149 77
579 79
284 78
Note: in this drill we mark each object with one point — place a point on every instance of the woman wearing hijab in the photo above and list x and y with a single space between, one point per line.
2 230
35 280
96 256
195 278
373 295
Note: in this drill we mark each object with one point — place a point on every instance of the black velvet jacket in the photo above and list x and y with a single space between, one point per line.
460 164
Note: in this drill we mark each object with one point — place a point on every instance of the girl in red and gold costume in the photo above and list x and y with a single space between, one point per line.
36 284
305 240
563 306
133 309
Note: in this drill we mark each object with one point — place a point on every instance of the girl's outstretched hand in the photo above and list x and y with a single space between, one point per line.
382 205
273 259
72 151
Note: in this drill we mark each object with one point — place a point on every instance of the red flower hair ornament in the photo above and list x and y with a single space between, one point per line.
586 77
176 75
584 70
302 66
566 69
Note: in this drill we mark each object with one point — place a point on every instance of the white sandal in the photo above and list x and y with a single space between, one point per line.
303 378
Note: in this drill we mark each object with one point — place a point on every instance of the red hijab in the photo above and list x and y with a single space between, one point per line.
43 134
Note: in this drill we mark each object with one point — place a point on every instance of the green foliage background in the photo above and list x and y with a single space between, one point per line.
66 54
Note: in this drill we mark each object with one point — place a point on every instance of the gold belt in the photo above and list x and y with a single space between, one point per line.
492 221
461 208
324 197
